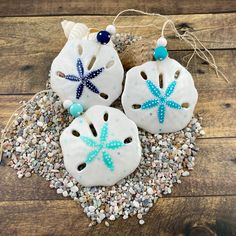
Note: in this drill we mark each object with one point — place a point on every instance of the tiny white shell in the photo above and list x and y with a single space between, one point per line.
74 30
101 147
159 96
67 27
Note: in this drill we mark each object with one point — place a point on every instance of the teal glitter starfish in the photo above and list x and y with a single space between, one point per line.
102 147
161 100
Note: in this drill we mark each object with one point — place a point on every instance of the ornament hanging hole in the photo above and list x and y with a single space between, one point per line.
105 117
91 63
93 130
177 73
136 106
185 105
128 140
75 133
144 75
80 50
110 64
161 83
81 166
103 95
60 74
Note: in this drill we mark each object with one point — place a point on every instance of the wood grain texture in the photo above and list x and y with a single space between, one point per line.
214 174
29 46
31 71
13 188
107 7
23 35
171 216
217 107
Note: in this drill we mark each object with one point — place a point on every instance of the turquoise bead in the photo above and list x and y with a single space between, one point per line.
160 53
76 109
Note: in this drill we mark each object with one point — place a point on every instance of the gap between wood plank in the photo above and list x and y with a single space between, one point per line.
113 15
168 217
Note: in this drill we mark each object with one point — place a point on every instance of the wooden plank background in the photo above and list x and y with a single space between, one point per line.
37 40
107 7
205 202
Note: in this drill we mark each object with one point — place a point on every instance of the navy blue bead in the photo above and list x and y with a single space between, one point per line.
103 37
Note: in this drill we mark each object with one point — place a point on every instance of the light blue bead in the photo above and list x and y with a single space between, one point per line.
160 53
76 109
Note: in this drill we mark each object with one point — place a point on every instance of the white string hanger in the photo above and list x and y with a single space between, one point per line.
189 38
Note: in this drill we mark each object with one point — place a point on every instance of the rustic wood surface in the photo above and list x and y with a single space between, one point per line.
205 202
107 7
37 40
209 177
213 215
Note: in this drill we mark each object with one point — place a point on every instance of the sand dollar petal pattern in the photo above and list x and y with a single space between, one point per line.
159 96
87 72
101 147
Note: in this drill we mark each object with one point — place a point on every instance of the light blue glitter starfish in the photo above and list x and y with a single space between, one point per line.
161 100
102 146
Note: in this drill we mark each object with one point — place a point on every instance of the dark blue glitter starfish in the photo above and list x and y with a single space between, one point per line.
85 80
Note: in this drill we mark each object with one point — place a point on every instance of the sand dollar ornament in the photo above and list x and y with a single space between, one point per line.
160 96
101 147
88 70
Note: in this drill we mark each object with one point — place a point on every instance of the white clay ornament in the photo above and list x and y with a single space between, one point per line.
88 70
159 96
101 147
